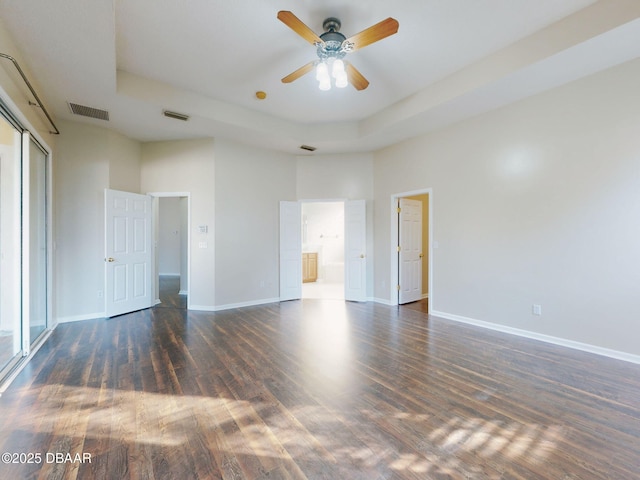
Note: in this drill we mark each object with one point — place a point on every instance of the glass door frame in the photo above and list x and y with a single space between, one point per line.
10 113
27 237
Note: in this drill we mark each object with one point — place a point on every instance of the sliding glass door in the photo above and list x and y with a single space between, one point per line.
24 242
10 245
37 239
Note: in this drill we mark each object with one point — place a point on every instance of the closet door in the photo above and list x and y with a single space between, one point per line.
355 228
290 251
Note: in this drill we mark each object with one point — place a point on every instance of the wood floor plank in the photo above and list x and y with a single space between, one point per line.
316 389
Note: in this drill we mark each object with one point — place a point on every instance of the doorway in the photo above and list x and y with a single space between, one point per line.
411 256
355 254
323 250
171 258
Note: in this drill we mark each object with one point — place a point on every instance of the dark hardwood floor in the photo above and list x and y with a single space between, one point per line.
169 286
315 389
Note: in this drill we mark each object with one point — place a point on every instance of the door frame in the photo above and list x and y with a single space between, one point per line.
393 251
155 217
30 346
343 201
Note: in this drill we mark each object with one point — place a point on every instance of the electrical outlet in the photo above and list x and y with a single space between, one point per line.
536 309
100 293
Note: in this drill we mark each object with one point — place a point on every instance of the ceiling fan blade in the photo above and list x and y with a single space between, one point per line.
374 33
298 73
355 77
295 24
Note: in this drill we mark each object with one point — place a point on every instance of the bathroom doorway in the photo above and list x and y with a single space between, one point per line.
323 250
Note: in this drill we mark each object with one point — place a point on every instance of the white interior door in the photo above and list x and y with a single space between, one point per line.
128 252
355 234
290 251
410 256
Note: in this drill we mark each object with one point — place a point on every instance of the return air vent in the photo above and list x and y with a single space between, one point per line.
176 115
89 111
308 148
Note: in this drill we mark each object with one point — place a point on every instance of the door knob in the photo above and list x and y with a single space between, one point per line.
111 259
421 255
362 255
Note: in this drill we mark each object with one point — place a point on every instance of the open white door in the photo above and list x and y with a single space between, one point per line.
355 234
410 256
128 252
290 251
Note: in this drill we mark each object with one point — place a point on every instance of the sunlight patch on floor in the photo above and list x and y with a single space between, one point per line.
265 430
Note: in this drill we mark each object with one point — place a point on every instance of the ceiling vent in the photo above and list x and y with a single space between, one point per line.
308 148
175 115
89 111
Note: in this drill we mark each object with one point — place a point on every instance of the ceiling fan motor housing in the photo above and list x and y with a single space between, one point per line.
334 41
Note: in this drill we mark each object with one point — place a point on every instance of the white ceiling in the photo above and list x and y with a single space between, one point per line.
450 59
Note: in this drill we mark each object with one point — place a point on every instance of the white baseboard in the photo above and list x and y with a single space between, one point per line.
78 318
183 292
218 308
383 301
169 274
202 308
563 342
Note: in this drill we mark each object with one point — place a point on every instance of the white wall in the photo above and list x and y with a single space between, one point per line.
88 160
249 185
188 166
124 163
169 236
535 203
17 91
345 176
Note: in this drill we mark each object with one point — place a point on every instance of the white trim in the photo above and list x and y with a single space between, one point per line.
183 292
79 318
383 301
251 303
218 308
169 194
563 342
393 282
7 381
25 243
157 196
203 308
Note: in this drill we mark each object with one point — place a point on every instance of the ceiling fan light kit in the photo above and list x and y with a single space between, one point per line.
331 48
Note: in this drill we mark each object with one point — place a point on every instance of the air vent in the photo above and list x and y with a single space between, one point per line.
89 111
308 148
177 116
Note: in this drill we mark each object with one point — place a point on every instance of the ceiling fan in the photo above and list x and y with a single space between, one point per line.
332 46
